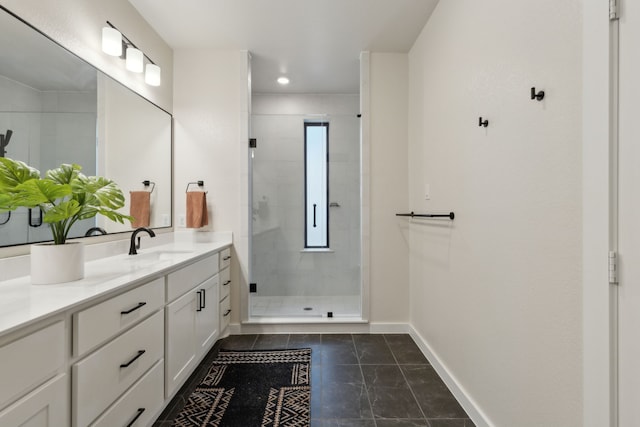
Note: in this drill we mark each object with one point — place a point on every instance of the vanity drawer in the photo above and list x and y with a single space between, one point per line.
185 279
100 322
225 283
140 404
103 376
30 360
225 313
225 258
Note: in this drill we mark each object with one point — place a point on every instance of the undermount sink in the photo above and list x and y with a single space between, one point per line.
152 256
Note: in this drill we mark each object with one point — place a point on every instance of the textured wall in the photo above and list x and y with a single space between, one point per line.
211 144
497 293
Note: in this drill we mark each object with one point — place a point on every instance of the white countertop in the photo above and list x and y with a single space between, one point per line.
22 303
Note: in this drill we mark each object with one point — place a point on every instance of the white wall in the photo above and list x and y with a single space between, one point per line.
496 294
77 25
211 144
389 257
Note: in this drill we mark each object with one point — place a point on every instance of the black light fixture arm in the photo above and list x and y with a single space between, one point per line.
126 42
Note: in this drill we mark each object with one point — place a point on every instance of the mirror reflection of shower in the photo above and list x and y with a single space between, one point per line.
4 141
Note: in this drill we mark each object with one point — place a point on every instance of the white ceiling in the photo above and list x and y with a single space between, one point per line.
316 43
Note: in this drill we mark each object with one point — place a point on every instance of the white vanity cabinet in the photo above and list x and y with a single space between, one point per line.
32 371
191 320
110 350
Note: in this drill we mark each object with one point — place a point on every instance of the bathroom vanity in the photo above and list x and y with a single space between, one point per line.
114 348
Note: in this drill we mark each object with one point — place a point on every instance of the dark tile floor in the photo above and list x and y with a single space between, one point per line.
356 381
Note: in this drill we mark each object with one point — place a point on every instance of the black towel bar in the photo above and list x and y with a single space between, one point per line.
450 215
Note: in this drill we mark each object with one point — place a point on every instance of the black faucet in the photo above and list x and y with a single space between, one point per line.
92 230
133 246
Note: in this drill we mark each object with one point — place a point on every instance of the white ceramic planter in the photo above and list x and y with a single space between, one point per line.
51 264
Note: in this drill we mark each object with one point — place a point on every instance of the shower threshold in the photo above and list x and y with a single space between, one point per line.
344 306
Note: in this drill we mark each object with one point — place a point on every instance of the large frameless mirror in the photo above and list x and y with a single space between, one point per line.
55 108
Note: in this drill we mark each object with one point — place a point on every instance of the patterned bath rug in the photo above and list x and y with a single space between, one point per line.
269 388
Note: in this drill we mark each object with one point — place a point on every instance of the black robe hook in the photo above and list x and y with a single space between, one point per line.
483 123
538 96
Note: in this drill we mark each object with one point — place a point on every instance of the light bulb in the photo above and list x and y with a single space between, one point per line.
152 75
135 60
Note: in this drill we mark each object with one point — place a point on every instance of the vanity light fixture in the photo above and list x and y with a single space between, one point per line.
135 60
113 42
283 80
152 75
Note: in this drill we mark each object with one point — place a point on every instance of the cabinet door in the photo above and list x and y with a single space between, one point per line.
181 340
207 314
47 406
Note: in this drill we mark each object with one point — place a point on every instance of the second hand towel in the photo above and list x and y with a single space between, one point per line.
197 215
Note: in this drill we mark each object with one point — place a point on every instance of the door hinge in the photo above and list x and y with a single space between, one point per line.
614 13
253 143
253 287
613 268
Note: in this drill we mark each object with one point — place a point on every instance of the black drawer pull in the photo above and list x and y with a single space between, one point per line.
199 300
228 257
140 305
133 421
226 313
226 283
140 353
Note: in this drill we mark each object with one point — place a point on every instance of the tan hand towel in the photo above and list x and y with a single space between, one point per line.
197 209
140 208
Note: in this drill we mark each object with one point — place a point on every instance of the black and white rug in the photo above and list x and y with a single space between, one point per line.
252 388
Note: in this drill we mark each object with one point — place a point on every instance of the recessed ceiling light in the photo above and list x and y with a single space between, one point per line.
283 80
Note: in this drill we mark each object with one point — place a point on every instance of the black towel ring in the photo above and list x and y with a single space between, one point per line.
147 183
198 183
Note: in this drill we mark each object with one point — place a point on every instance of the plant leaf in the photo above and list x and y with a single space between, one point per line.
65 174
36 192
60 212
106 192
15 172
115 216
6 202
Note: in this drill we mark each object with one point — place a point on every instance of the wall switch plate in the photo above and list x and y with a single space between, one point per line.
427 192
182 221
166 220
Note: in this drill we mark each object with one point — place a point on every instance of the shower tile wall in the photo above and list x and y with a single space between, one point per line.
44 124
281 268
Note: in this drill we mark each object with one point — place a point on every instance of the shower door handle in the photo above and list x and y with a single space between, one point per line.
314 215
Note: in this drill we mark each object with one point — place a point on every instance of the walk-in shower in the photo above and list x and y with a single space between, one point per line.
306 207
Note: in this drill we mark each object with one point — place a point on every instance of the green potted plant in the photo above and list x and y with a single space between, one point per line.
65 196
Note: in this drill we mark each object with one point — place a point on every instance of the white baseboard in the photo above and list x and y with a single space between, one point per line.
479 418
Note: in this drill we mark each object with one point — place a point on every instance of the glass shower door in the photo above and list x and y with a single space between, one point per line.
298 270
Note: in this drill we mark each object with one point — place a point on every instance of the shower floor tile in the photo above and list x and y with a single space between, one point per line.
305 306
